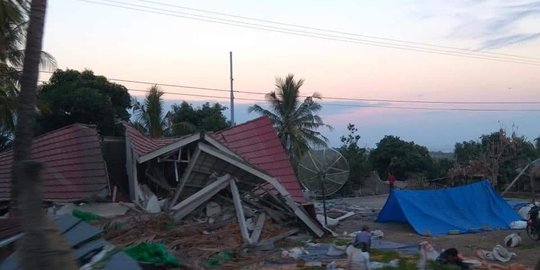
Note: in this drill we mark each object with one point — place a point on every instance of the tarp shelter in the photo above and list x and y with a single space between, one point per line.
464 209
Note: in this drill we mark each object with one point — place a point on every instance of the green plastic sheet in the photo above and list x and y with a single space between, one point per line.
152 253
86 216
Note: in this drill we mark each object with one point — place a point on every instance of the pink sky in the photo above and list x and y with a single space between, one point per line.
128 44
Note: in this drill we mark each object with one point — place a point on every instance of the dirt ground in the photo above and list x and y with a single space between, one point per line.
528 252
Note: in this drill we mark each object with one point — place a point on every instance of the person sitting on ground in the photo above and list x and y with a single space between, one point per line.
450 256
363 237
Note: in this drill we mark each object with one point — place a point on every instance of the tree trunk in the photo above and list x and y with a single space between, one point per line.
495 175
25 172
22 145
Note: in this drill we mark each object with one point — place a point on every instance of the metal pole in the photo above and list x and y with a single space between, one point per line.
324 200
232 90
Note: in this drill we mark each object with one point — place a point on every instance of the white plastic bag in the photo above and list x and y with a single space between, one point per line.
357 259
518 225
512 240
427 252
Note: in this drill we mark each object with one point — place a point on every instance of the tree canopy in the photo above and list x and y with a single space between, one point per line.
497 155
82 97
401 158
186 119
13 26
150 115
296 122
357 157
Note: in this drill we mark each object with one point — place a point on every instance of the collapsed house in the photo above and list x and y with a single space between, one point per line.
245 165
243 169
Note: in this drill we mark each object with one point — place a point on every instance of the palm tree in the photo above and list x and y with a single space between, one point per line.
150 118
41 247
13 26
295 122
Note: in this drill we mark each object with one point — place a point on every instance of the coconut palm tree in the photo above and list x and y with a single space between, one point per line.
13 26
295 121
150 116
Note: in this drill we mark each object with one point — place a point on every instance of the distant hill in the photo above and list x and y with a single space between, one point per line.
441 155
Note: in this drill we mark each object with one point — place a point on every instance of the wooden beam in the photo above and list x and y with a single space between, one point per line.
130 163
258 228
273 239
515 179
209 139
185 176
157 181
168 148
239 212
192 202
300 213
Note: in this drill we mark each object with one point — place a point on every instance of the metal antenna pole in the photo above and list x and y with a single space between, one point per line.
324 200
232 91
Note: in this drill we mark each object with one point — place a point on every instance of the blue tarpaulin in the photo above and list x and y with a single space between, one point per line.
464 209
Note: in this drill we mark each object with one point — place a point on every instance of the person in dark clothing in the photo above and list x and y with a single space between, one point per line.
363 237
450 256
391 180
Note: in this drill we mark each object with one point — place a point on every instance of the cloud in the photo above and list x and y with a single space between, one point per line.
508 40
492 24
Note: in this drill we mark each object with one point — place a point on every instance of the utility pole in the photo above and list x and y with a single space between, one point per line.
232 91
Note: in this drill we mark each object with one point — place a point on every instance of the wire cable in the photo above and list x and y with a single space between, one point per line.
356 105
311 34
335 31
324 97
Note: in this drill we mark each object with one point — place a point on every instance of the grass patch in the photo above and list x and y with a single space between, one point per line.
383 255
313 268
527 246
437 266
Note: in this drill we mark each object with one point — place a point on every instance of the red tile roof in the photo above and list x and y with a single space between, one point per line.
144 145
257 142
74 165
9 227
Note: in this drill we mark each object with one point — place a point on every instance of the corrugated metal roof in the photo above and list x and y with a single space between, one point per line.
257 142
9 227
74 165
144 145
85 240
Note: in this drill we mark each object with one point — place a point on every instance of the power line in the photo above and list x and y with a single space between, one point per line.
313 35
324 97
348 105
335 31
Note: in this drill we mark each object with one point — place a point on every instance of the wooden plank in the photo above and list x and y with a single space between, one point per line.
515 179
192 202
240 212
162 184
129 168
170 147
186 175
258 228
273 239
300 213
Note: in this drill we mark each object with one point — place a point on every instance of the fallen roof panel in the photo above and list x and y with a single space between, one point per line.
256 139
74 165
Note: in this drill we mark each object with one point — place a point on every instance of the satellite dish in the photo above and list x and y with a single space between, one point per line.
323 172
